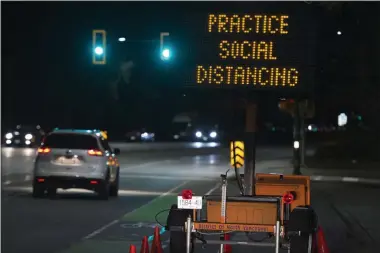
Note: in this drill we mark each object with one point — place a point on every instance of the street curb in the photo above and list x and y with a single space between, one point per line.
321 178
361 180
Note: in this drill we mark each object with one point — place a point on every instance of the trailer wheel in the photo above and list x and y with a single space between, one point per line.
303 223
177 241
302 244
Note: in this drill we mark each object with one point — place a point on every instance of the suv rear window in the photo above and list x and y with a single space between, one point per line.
71 141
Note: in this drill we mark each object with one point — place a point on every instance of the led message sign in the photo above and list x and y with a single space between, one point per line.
258 50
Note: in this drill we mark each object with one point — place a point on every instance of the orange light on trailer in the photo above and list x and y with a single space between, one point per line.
288 198
40 180
93 182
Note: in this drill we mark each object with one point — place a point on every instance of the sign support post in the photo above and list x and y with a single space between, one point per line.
250 147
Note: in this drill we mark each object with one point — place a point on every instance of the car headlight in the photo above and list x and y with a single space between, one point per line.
9 136
144 135
213 134
28 136
198 134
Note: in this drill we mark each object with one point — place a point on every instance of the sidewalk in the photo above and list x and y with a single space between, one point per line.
346 171
331 172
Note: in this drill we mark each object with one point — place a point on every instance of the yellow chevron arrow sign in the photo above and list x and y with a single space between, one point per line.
237 154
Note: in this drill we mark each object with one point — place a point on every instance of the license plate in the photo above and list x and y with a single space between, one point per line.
68 161
17 141
194 203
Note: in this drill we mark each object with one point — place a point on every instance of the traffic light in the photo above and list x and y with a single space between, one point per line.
99 41
288 106
164 48
306 107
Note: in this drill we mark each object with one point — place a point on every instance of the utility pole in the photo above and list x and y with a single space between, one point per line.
303 142
250 147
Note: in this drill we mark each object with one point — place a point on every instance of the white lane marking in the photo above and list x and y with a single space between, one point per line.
175 177
98 231
350 179
213 189
127 168
165 244
7 182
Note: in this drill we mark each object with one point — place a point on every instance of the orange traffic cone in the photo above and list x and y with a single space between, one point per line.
156 243
227 248
132 249
144 245
321 242
314 243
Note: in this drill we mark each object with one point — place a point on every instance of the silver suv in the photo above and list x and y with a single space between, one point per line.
76 159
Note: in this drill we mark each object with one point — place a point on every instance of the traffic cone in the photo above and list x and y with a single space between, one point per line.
144 245
227 248
314 243
321 242
156 243
132 249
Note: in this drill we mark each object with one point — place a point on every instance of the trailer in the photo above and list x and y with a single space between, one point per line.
279 208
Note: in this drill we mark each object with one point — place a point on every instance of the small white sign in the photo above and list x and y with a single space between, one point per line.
194 203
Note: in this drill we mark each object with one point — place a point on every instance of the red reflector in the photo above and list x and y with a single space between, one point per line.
93 182
44 150
41 180
227 247
288 198
94 152
187 194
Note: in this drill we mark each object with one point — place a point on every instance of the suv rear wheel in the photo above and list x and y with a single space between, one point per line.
38 191
104 188
114 189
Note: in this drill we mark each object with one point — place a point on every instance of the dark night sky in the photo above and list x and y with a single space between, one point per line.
48 77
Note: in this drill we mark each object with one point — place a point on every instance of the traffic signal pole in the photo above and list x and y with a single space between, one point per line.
250 147
303 142
297 140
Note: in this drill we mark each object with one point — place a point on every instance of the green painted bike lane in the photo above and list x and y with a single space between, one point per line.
117 236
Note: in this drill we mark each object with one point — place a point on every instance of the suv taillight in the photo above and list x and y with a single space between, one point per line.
94 152
44 150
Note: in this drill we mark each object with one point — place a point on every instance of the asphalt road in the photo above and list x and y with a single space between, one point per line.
151 177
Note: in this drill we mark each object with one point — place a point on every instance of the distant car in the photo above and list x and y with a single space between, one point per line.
76 159
181 131
206 134
133 136
181 136
140 135
24 136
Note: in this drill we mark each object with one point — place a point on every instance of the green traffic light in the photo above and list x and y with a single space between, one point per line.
99 50
165 55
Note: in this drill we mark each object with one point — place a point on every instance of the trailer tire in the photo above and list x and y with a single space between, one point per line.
302 244
177 241
303 223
